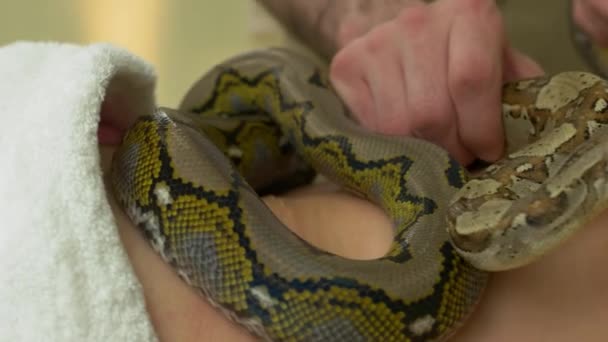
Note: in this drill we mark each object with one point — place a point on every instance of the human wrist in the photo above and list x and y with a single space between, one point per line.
328 25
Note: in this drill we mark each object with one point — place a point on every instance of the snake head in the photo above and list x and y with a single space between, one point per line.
503 225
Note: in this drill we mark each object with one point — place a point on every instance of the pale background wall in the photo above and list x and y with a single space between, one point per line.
181 38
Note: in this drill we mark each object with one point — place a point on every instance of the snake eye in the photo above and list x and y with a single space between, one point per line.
544 211
471 241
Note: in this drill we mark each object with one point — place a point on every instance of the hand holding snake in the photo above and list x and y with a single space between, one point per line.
395 82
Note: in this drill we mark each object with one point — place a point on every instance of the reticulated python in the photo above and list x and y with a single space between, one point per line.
174 179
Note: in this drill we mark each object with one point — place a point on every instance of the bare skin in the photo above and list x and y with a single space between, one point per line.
562 297
432 69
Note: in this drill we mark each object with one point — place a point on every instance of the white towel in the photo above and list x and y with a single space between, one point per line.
63 273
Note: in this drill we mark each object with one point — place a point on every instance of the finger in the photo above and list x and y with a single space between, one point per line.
475 81
347 78
592 17
384 76
518 66
450 140
428 105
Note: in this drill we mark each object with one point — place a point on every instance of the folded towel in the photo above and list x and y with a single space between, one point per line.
64 275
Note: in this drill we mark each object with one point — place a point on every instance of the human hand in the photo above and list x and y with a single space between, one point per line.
592 17
435 71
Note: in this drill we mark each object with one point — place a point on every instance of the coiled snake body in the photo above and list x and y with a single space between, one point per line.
173 177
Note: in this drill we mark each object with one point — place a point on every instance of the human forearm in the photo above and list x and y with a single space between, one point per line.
327 25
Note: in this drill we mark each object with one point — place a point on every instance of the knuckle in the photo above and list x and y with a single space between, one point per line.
379 38
337 71
343 63
414 18
339 64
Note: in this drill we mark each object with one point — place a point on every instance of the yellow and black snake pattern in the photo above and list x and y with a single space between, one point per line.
187 178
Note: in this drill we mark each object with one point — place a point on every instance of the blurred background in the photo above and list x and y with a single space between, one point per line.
181 39
184 38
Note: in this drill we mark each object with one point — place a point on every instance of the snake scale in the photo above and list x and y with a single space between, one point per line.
188 178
